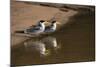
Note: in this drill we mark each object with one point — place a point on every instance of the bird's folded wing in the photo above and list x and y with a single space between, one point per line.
32 29
47 28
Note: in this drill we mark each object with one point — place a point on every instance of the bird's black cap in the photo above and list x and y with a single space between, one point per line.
53 21
42 21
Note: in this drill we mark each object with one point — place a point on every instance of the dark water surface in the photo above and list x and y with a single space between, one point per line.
75 42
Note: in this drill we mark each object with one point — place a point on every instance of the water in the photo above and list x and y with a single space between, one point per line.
75 42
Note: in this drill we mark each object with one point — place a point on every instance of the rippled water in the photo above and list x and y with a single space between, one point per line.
75 42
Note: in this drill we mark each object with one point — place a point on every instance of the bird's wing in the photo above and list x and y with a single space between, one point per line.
35 28
47 28
32 29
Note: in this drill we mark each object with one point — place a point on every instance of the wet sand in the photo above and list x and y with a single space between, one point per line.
75 42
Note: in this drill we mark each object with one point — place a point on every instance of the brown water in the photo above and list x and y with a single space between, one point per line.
75 42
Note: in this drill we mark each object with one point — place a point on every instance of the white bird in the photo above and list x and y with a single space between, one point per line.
39 28
51 28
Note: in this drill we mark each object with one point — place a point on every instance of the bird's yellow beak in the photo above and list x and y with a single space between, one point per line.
58 23
46 23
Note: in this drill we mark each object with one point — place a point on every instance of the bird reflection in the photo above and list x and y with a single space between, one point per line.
41 45
51 42
36 46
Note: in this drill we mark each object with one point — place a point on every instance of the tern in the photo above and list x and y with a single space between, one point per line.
51 28
39 28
